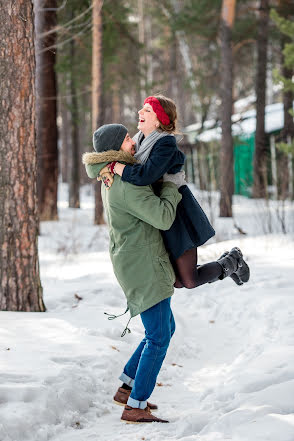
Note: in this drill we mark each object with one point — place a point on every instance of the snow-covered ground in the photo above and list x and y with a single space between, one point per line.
229 371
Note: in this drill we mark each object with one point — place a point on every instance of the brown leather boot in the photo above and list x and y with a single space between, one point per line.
132 415
122 395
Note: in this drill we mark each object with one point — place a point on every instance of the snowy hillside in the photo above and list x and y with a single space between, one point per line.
229 371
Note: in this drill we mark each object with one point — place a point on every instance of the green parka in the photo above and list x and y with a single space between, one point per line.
135 216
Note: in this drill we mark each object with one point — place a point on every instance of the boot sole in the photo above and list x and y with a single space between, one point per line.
143 422
235 277
246 276
241 280
118 403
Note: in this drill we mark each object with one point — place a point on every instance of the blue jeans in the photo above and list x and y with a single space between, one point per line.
142 369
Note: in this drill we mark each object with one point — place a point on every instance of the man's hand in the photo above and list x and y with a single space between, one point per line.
106 177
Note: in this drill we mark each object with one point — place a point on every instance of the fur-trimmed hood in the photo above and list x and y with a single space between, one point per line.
94 161
109 156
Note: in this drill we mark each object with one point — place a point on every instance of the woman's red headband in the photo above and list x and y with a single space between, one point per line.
158 109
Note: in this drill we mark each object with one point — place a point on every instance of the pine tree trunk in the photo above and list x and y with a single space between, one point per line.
116 117
288 97
142 55
261 151
85 137
286 9
65 139
46 115
226 153
20 286
288 129
97 115
75 157
172 54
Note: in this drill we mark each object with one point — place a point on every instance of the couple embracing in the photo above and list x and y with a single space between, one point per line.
155 226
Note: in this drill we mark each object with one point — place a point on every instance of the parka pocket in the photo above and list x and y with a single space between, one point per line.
166 269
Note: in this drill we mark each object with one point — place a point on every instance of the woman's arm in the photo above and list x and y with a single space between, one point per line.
158 163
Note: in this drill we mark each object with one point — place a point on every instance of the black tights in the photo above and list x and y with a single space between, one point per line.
189 275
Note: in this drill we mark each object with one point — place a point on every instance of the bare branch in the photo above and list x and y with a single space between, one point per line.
55 46
57 28
242 43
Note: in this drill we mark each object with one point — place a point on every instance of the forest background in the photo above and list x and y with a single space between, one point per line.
68 67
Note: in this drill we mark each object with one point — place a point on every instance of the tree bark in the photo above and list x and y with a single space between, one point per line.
74 182
115 102
20 286
226 153
46 106
97 114
172 54
142 59
65 137
261 151
288 129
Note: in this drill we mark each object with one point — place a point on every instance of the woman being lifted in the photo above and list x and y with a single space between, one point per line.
157 153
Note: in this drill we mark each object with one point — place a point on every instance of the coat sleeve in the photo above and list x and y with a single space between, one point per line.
160 212
158 163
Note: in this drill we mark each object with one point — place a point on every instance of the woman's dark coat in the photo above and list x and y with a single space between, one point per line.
191 227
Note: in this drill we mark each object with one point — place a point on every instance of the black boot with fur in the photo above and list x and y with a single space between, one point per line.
234 266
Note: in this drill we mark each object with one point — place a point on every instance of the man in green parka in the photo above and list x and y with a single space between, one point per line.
140 262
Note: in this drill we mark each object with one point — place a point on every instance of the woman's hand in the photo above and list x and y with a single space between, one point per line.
119 168
106 175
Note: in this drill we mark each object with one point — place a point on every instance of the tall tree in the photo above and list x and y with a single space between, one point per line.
286 11
97 116
226 154
287 134
260 153
46 115
74 173
73 66
20 286
286 27
64 105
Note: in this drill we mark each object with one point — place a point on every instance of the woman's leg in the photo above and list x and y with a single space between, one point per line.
159 327
192 275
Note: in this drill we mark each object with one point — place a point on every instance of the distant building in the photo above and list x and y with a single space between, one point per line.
243 130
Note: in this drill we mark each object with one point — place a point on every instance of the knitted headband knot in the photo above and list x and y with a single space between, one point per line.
158 109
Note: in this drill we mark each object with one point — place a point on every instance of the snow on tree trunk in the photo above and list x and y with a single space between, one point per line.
20 286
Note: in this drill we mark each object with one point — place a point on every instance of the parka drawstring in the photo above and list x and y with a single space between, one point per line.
126 330
112 317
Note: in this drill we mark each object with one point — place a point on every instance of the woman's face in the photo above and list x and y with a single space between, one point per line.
128 145
148 121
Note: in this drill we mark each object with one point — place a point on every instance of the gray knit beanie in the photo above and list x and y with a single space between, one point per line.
109 137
